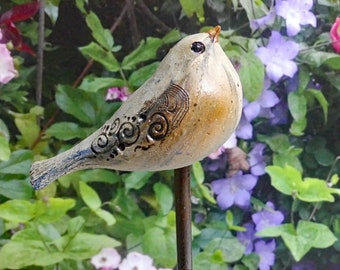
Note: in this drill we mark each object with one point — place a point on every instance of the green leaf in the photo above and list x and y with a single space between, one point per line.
16 189
276 231
17 211
334 179
333 62
93 84
251 261
317 58
191 7
136 180
77 103
139 76
5 151
172 36
318 235
286 180
254 9
298 108
48 232
53 209
229 218
251 75
161 246
284 152
306 236
102 56
204 260
4 130
232 250
28 125
20 254
84 245
66 131
106 216
319 96
164 197
324 157
90 196
198 173
300 241
101 35
314 190
75 225
147 50
277 143
19 163
298 126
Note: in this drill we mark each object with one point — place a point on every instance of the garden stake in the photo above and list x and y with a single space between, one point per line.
183 218
185 111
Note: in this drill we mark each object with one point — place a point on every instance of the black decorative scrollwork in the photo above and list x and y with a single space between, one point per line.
128 133
154 122
159 126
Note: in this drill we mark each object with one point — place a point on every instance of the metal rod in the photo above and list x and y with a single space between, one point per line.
183 218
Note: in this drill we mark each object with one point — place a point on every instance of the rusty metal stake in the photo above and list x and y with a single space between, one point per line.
183 218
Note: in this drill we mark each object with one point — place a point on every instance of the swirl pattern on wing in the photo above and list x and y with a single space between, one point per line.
154 122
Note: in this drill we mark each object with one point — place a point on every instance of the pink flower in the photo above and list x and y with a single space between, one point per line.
116 93
106 259
135 260
230 143
335 35
7 71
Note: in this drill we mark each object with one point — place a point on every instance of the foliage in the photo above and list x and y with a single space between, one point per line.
287 140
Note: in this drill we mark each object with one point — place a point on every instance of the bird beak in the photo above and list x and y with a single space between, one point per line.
214 33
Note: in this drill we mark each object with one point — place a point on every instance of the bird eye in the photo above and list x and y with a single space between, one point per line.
197 47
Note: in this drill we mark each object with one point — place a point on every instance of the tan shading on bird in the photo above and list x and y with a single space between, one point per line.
185 111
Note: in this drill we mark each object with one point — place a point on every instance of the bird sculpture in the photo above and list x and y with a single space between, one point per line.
184 112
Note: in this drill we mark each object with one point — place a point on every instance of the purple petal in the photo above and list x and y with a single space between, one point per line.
242 198
264 54
266 254
274 72
244 129
218 185
225 200
268 99
252 110
293 26
248 181
247 237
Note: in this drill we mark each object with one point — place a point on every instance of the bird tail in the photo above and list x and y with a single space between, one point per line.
46 171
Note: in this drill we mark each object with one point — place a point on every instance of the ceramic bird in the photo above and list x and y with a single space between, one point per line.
184 112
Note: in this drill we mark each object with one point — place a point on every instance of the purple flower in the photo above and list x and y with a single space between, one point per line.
266 253
230 143
135 260
247 237
257 165
296 13
251 110
279 113
244 129
234 190
263 22
106 259
277 57
116 93
267 217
